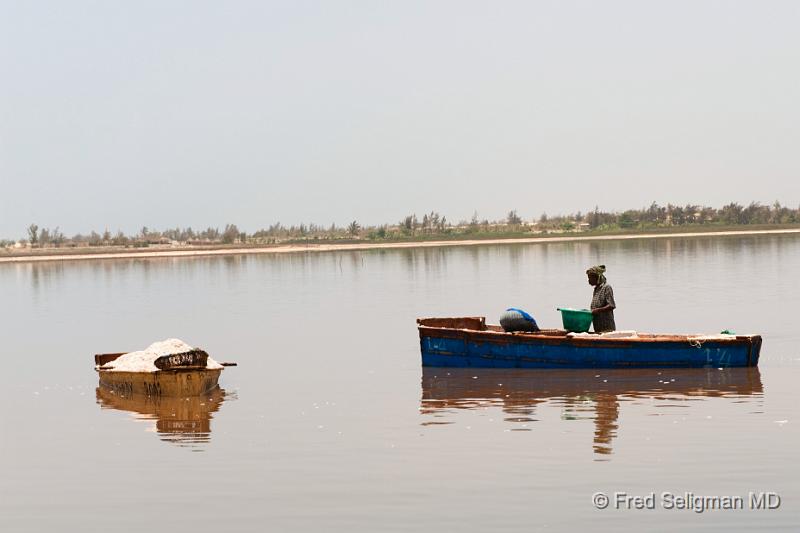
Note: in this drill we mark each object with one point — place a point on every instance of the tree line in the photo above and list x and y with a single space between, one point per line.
431 224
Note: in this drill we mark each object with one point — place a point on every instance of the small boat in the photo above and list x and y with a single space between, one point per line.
470 342
178 375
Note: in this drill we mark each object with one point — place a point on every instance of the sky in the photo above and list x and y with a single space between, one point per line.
165 113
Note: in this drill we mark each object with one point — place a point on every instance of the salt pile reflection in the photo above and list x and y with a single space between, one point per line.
591 394
182 421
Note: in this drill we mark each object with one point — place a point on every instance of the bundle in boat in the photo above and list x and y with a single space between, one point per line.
166 368
195 358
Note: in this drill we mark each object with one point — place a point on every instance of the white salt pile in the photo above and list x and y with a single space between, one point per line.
144 360
620 334
717 337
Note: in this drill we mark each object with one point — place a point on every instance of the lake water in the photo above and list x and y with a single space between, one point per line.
329 423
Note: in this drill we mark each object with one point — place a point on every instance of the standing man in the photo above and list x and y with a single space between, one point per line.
603 304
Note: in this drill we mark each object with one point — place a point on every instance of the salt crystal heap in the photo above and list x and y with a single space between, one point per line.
144 360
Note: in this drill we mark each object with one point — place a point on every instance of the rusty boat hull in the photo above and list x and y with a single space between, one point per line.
162 382
470 342
177 382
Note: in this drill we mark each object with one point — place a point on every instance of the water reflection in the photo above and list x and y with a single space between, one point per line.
589 394
430 260
184 422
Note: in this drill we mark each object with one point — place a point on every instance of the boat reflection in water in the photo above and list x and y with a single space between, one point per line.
581 394
181 421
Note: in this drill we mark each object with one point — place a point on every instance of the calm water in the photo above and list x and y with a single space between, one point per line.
329 422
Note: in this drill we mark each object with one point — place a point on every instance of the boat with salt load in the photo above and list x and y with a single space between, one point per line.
166 368
470 342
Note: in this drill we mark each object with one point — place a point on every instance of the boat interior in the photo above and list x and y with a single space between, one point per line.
478 323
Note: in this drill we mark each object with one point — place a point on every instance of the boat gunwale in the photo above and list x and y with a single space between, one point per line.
101 359
528 337
155 372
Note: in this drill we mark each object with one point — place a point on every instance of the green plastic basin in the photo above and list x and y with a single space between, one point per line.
576 320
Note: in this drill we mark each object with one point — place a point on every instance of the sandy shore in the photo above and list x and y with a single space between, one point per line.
294 248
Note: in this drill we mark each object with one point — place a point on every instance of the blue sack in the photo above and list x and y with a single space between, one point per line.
514 319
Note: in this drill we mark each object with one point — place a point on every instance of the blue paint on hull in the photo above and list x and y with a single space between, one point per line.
459 348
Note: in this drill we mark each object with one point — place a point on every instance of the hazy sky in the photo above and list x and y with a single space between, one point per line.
198 113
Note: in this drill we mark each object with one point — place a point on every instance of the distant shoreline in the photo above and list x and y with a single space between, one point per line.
313 247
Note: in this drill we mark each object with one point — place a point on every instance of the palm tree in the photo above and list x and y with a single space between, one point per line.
33 234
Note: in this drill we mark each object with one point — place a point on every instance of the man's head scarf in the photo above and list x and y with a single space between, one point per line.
599 271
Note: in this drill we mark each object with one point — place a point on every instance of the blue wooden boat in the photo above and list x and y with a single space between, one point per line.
470 342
